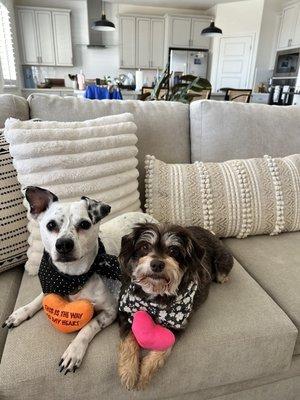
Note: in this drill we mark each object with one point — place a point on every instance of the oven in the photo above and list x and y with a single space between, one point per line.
287 63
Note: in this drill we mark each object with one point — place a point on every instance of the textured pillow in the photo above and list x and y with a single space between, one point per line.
234 198
94 158
13 220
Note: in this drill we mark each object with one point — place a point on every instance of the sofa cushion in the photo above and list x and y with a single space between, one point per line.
223 130
9 287
13 106
274 262
238 334
236 198
162 127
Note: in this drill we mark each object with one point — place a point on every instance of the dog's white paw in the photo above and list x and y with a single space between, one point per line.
17 317
72 357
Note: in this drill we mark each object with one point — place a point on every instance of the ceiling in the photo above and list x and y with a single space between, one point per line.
192 4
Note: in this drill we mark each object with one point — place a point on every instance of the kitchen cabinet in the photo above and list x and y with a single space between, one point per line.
157 42
127 41
142 42
289 34
45 36
197 40
186 32
28 36
180 32
62 37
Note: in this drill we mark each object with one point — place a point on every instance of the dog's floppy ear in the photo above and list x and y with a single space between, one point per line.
97 210
195 254
127 249
39 199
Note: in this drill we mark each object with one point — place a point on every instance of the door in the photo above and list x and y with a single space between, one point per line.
62 38
287 29
180 32
197 40
127 42
157 43
45 37
143 42
296 37
234 63
28 36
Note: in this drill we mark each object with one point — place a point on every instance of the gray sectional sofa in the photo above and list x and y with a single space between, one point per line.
244 342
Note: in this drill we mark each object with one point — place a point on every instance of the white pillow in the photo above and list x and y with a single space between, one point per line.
94 158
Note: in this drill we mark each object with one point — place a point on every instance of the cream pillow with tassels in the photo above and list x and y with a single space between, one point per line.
234 198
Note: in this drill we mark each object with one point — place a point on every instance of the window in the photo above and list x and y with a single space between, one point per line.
7 57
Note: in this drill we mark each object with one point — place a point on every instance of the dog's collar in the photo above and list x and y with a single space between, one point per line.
54 281
173 315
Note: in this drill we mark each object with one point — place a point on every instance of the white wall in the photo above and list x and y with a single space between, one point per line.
243 17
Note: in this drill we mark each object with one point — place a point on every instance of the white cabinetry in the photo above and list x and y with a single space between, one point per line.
180 32
289 34
62 37
45 36
157 42
141 42
127 42
28 36
186 31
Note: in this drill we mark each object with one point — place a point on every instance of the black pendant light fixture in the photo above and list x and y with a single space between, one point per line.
103 24
212 31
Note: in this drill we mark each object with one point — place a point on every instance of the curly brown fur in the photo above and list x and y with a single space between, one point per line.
162 260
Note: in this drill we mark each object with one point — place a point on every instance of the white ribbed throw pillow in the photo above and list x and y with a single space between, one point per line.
95 158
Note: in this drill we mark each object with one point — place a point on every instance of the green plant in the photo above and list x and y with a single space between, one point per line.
182 92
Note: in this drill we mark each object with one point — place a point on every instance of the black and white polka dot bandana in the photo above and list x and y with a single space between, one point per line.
54 281
173 315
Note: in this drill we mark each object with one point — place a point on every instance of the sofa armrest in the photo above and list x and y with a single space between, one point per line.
13 106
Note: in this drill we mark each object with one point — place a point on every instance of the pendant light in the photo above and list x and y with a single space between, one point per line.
103 24
212 31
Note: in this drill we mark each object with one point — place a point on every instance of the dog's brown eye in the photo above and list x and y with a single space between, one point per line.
174 251
85 225
146 247
51 226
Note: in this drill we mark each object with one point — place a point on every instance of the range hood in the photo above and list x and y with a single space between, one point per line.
94 10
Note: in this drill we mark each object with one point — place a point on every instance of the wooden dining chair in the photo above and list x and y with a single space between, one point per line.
203 95
239 95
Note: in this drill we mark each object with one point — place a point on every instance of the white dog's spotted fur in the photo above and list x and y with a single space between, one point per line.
85 250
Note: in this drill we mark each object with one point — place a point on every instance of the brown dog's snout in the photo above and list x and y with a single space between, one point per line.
64 245
157 265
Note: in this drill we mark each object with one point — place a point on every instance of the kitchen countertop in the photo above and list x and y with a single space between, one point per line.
52 89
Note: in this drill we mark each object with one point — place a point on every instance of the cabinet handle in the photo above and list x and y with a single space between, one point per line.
191 43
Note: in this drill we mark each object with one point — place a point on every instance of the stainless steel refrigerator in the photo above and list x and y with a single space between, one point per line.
186 61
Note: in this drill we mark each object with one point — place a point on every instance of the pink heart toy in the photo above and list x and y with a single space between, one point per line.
149 335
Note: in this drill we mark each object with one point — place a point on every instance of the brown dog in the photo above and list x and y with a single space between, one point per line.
167 270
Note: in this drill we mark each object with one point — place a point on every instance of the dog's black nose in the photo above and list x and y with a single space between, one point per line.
157 265
64 245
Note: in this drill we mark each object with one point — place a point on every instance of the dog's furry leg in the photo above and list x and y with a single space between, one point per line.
223 265
25 312
129 361
73 356
150 364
